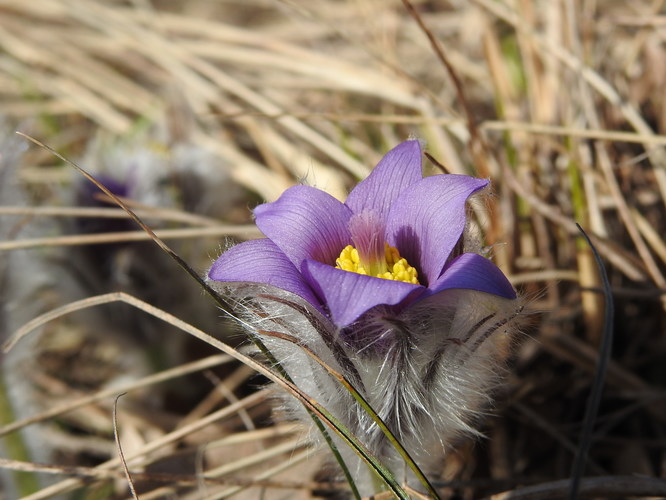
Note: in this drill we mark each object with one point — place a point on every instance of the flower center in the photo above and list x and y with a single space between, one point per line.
371 255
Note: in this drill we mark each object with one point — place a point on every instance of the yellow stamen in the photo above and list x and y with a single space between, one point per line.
394 268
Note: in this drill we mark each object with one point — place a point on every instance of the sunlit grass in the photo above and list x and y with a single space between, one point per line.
568 102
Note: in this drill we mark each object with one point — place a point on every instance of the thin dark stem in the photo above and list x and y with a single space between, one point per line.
593 401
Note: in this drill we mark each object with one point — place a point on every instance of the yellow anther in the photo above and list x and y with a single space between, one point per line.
354 255
395 267
348 259
392 254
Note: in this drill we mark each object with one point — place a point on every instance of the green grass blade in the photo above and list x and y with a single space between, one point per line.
366 407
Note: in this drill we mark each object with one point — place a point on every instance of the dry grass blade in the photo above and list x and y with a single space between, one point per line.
69 484
51 315
157 378
310 404
162 234
94 473
121 454
113 213
597 82
295 459
201 110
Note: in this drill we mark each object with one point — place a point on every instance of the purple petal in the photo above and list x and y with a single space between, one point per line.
306 223
261 261
348 295
474 272
428 218
398 169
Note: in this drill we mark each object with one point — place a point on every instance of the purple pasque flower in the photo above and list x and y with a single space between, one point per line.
380 288
395 224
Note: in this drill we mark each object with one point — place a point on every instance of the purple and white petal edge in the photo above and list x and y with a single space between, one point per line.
348 295
306 223
261 261
474 272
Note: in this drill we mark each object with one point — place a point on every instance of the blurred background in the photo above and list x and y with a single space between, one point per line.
195 111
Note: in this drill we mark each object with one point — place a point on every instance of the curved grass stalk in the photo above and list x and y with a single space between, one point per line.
312 405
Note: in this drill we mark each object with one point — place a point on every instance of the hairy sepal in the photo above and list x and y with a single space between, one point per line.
428 371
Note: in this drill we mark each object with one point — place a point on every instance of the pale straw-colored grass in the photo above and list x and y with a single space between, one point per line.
568 102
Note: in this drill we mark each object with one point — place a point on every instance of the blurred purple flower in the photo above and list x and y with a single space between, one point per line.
395 224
